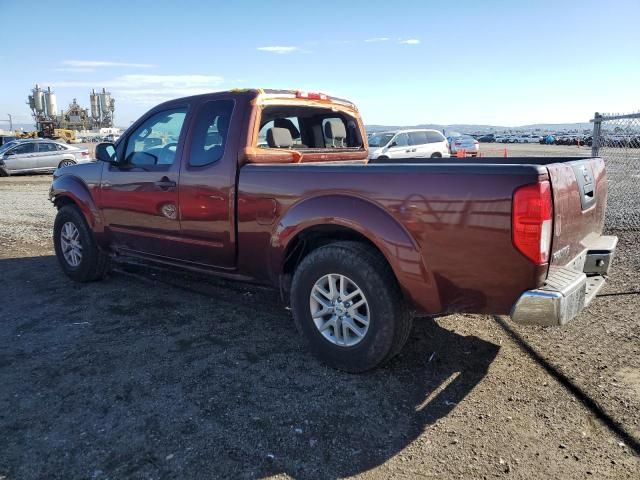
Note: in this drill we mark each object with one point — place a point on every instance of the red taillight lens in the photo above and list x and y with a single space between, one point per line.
84 154
532 221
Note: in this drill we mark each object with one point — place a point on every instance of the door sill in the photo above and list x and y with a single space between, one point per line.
181 264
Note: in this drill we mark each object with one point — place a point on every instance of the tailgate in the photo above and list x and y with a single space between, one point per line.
579 199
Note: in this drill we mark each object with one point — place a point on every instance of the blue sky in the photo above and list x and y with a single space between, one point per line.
402 62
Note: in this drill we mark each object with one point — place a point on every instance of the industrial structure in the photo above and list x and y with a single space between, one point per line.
45 113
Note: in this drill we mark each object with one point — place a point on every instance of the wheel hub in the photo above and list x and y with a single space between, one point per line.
70 244
339 310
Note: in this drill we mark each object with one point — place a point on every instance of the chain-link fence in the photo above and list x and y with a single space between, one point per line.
616 138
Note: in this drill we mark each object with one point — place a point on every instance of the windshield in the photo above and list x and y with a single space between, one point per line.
7 146
380 139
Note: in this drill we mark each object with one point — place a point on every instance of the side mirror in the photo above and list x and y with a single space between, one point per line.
9 153
106 152
393 144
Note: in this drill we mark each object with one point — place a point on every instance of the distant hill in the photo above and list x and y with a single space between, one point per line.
472 128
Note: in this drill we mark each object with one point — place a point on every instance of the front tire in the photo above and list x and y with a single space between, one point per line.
436 155
76 249
360 322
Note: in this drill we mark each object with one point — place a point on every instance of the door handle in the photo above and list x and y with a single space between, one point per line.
165 183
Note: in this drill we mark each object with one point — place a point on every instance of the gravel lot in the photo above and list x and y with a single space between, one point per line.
156 374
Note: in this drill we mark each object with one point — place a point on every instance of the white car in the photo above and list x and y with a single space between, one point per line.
527 139
419 143
34 155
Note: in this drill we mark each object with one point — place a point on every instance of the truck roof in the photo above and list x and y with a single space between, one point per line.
274 94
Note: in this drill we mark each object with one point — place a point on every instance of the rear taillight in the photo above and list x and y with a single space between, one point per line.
532 218
84 154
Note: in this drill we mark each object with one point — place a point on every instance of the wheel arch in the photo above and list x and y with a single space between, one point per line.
318 221
69 190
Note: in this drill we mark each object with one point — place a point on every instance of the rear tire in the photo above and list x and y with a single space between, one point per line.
77 251
389 321
66 163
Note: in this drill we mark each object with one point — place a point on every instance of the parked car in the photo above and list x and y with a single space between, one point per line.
528 139
470 145
408 144
489 138
33 155
354 246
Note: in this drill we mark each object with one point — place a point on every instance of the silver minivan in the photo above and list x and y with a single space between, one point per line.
23 156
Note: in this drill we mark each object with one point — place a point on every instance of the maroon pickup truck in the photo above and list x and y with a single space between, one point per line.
274 186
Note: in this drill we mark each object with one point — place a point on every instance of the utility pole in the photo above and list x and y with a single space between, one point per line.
10 122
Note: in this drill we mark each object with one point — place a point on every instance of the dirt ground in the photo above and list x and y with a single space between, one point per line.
156 374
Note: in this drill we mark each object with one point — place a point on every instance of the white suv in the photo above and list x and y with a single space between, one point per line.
408 144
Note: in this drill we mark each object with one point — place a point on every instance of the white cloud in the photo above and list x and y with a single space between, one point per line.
279 50
102 64
149 89
74 69
411 41
377 39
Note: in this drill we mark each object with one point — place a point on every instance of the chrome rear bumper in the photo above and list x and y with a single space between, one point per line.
567 291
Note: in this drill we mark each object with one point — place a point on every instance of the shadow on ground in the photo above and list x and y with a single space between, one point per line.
132 377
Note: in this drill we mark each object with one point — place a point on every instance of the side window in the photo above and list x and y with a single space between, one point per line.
156 140
402 140
210 132
24 148
47 147
435 137
60 148
418 138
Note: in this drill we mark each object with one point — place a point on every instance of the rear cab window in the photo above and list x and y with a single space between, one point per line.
308 128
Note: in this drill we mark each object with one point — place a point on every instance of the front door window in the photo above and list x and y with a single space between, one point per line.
154 143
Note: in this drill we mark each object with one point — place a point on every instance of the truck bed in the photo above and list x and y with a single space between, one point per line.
457 215
485 160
